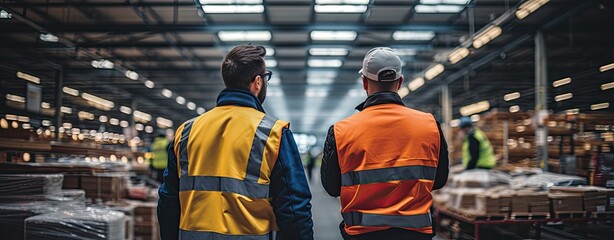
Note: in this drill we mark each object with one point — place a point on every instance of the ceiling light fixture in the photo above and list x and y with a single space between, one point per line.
180 100
485 36
164 123
458 55
413 35
328 51
48 37
600 106
123 123
28 77
514 109
5 15
45 105
320 81
438 8
529 7
103 64
475 108
270 51
132 75
333 35
167 93
233 8
415 84
563 97
607 86
114 121
125 110
200 110
572 111
15 98
606 67
66 110
270 63
457 2
316 93
242 36
324 63
403 92
363 2
340 8
149 84
70 91
405 51
561 82
103 119
141 116
511 96
83 115
434 71
98 102
191 106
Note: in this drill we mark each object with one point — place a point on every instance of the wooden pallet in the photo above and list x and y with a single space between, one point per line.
529 215
480 216
569 214
603 215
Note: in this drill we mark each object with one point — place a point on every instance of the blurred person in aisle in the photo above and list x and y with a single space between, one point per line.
477 150
235 172
312 157
385 160
160 157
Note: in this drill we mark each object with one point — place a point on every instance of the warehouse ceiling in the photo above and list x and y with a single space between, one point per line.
315 52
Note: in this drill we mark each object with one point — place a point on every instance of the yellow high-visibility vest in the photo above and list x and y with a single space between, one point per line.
225 158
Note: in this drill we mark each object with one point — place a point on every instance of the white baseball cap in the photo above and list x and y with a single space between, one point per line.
380 59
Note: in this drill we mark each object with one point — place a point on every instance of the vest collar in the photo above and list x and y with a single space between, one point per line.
380 98
239 97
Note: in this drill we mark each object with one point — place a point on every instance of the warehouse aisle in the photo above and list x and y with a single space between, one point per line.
326 217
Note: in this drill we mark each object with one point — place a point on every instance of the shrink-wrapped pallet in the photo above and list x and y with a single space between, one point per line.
89 223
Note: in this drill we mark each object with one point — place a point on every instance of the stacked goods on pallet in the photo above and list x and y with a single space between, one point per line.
126 207
580 200
466 191
26 195
495 201
145 221
89 223
529 204
107 186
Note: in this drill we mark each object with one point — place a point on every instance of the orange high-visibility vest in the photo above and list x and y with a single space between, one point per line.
388 156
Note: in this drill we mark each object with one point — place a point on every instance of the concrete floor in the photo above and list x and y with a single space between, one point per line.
326 212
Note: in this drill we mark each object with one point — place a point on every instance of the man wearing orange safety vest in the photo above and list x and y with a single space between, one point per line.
385 160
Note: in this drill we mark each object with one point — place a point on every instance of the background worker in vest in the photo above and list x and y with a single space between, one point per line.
160 157
385 160
235 172
477 150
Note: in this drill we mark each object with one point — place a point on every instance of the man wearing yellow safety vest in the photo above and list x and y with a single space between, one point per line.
160 157
477 150
235 172
384 161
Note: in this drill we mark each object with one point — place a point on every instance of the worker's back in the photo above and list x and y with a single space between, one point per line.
225 161
388 156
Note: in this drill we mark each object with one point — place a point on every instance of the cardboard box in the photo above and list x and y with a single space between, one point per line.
566 202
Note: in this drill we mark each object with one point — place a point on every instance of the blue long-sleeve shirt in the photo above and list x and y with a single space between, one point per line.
288 187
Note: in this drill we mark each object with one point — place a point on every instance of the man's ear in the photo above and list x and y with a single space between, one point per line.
365 83
400 83
256 85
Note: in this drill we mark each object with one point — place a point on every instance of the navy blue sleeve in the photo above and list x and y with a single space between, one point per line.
169 209
330 171
290 193
474 151
443 165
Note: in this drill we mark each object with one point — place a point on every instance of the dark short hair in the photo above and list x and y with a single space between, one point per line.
386 85
242 64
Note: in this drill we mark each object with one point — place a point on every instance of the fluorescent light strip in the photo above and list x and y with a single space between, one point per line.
144 117
114 121
328 51
270 63
191 106
70 91
320 81
340 8
600 106
324 63
106 104
490 33
363 2
48 37
103 119
511 96
149 84
237 36
514 108
28 77
163 122
405 51
607 86
233 8
475 108
458 55
316 93
572 111
66 110
333 35
606 67
132 75
457 2
529 7
45 105
180 100
434 71
103 64
167 93
200 110
403 92
125 110
561 82
83 115
15 98
438 8
413 35
416 83
230 1
563 97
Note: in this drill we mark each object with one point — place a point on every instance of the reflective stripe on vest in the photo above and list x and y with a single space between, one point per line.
202 235
248 187
400 221
388 174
